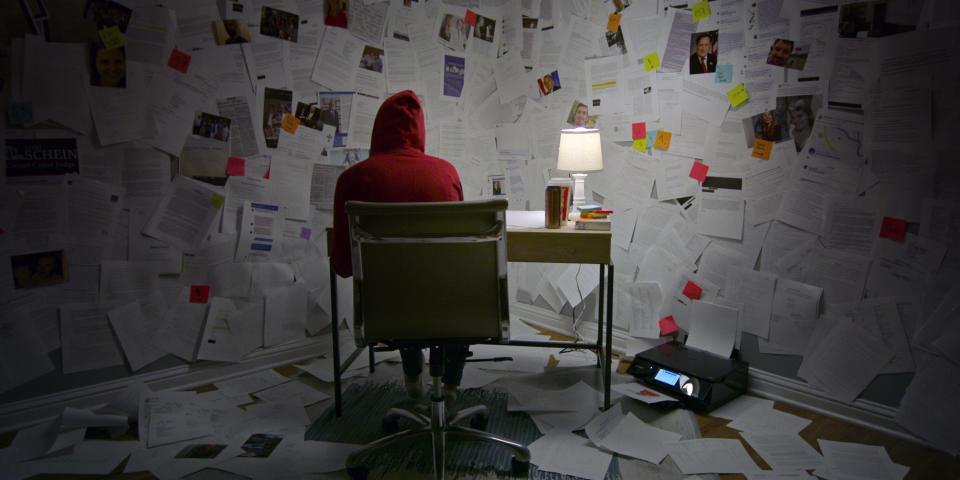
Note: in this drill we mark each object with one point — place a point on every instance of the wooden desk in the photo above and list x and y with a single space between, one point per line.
542 245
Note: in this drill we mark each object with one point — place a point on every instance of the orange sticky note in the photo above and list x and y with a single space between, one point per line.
613 22
290 124
762 149
893 228
701 11
236 167
737 95
638 130
663 140
199 293
692 291
112 37
651 61
698 171
640 145
668 325
179 61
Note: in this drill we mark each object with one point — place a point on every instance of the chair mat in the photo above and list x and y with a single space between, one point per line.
365 404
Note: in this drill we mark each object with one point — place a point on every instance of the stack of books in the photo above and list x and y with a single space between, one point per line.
593 217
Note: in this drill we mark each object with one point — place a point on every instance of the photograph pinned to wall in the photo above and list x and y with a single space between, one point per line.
372 59
347 157
452 29
211 126
276 104
311 116
333 109
704 49
454 73
260 445
615 41
230 32
787 53
770 126
579 115
279 24
106 13
548 83
205 160
801 113
496 185
38 269
484 40
335 13
108 66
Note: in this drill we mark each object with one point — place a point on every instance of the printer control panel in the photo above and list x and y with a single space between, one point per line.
664 379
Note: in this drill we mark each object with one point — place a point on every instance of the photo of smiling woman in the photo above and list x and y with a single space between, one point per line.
109 66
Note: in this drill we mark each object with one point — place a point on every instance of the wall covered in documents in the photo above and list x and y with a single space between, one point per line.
786 163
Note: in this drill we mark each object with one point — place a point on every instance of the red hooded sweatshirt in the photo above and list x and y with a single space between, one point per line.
397 171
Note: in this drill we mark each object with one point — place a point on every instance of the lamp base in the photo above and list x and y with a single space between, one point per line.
579 195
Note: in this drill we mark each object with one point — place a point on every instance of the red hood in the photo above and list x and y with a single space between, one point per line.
399 125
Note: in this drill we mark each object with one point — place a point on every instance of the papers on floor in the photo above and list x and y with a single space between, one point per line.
711 455
569 454
628 435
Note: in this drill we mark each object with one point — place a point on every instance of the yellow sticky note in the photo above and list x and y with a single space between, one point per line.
651 61
216 201
737 95
613 22
112 37
640 145
762 149
290 124
701 11
663 140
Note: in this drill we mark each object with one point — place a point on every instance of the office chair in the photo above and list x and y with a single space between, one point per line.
431 275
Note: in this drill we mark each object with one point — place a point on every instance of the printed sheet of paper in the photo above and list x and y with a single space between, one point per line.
86 338
185 215
261 229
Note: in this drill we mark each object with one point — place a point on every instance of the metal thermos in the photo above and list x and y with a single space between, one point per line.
554 206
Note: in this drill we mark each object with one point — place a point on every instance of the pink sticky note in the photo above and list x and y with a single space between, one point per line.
305 232
698 171
692 291
267 174
893 228
668 325
179 61
639 130
470 18
236 167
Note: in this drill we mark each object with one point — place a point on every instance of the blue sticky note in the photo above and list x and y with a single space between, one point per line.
724 73
651 134
20 113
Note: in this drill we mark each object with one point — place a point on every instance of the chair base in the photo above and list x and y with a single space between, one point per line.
439 428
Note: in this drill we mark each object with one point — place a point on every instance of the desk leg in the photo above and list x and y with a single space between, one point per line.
372 363
608 351
335 326
600 318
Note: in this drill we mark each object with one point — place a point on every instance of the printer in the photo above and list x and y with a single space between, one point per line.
701 381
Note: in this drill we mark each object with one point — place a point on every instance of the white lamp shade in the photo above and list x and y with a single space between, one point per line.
580 150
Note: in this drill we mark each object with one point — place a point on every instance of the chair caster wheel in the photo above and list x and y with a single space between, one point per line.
390 426
479 421
518 468
358 473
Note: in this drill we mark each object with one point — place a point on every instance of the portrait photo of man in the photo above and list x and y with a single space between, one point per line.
703 57
780 52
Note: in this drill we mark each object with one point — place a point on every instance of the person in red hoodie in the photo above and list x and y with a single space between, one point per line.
398 170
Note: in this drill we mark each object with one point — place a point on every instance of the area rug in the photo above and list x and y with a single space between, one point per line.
365 404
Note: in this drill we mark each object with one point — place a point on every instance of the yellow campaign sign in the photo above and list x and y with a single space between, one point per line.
651 61
737 95
762 149
112 37
701 11
640 145
216 201
663 140
290 124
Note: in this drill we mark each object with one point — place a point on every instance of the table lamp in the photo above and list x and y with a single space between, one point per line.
579 152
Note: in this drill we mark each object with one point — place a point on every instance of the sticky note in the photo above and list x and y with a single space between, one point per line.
668 325
663 140
290 124
737 95
698 171
692 291
20 113
236 167
179 61
651 61
893 228
305 232
266 175
724 73
640 145
112 37
199 293
470 17
216 200
638 130
701 11
762 149
613 22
